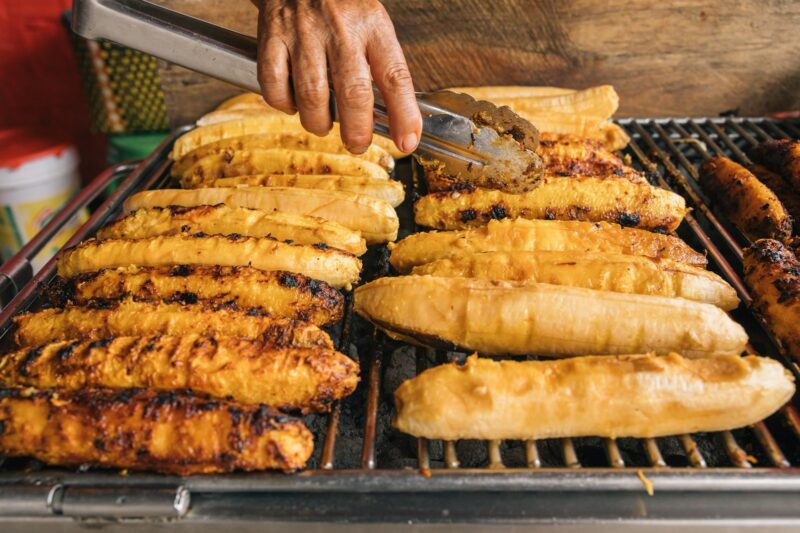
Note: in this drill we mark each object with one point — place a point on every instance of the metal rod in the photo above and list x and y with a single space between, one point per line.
613 453
328 447
373 393
779 133
570 457
653 453
692 451
770 445
741 131
759 130
730 144
793 130
792 419
735 453
450 455
495 457
532 458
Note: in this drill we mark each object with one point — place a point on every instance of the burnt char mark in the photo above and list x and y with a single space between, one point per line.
498 212
181 271
65 352
321 246
287 279
186 228
316 287
625 219
468 215
185 298
2 427
60 291
101 304
29 359
198 235
180 209
101 343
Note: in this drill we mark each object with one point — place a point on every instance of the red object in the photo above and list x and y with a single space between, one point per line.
40 86
19 146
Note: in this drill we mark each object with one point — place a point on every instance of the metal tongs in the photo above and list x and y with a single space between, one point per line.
475 140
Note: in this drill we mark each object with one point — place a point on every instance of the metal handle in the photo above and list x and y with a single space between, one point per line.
181 39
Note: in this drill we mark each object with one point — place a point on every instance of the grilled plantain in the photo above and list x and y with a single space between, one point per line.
540 236
390 191
522 318
221 219
594 199
290 141
131 318
601 396
630 274
780 156
246 370
749 204
569 155
772 272
277 293
375 219
160 431
236 123
337 268
232 163
785 193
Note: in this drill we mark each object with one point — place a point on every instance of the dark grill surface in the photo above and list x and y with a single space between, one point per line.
356 438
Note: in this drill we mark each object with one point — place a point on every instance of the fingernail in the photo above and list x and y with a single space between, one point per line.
409 143
357 150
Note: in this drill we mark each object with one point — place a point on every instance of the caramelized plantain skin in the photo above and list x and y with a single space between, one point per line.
176 433
277 293
592 199
781 156
570 155
129 317
522 235
772 272
748 203
247 370
221 219
783 190
335 267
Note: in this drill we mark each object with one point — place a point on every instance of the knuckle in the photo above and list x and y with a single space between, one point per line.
397 76
356 94
312 93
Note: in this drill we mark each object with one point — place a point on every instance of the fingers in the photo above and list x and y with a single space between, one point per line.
273 62
391 75
310 76
353 89
273 75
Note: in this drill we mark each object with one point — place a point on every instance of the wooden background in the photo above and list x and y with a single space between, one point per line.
665 58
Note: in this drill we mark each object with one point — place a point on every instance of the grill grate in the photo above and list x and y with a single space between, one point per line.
655 144
668 150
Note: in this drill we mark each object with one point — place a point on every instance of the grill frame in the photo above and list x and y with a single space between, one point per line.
657 148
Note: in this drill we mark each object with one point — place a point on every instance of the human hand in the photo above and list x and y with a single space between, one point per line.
299 40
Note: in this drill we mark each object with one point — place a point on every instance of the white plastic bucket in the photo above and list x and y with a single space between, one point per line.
36 180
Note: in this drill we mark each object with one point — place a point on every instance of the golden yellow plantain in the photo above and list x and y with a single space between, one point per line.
594 199
523 318
375 219
591 270
337 268
540 235
288 141
600 396
225 220
390 191
232 163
